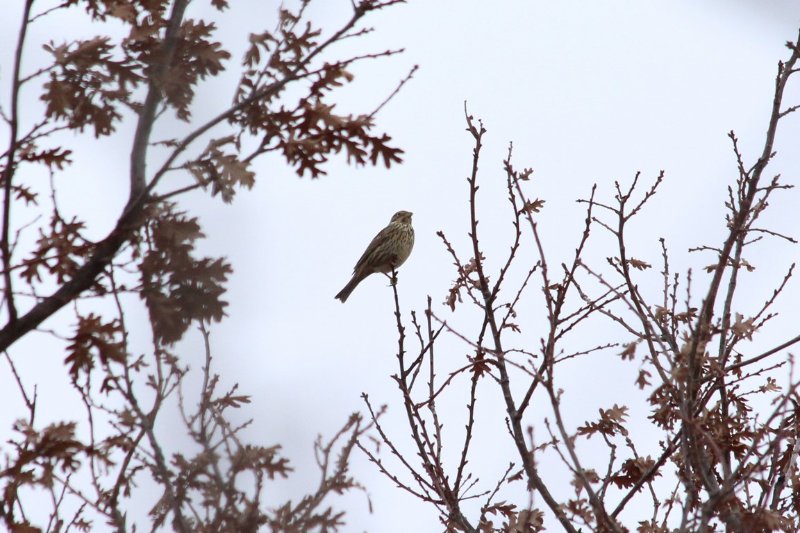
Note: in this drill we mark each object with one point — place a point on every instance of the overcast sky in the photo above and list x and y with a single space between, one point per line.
589 92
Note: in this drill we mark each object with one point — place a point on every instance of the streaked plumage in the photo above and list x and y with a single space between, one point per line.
389 249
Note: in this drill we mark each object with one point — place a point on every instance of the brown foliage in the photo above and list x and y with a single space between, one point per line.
725 454
147 62
724 467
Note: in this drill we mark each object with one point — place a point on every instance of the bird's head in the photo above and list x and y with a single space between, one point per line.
403 217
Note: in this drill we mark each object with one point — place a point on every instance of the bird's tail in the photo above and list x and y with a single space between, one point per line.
352 284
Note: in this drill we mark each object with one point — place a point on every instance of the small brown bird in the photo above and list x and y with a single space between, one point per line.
388 250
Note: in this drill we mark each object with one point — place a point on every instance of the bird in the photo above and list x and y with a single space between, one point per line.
388 250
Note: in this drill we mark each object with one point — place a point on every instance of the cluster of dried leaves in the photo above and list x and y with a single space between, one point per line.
725 457
143 72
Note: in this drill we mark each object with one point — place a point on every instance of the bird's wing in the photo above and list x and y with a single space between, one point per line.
372 249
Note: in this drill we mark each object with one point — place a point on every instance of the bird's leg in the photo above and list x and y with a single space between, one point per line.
392 277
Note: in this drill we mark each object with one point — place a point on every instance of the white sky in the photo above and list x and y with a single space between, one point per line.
589 92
